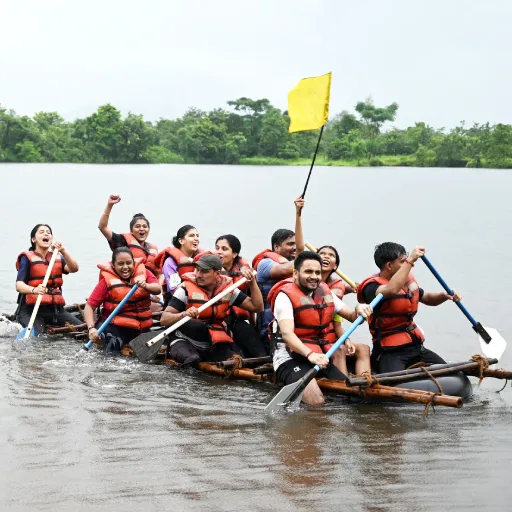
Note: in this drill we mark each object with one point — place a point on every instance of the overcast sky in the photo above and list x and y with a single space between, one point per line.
441 60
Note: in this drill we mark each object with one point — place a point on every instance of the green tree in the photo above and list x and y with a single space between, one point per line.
374 117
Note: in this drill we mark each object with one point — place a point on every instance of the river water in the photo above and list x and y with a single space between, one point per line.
99 433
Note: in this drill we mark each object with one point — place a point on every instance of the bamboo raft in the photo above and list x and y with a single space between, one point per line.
397 386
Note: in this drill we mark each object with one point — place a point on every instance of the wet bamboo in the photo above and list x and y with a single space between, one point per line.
231 363
392 393
67 329
496 374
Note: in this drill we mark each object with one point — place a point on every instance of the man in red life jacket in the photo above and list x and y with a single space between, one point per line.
205 337
304 309
397 340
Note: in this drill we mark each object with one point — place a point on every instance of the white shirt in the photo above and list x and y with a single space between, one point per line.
283 310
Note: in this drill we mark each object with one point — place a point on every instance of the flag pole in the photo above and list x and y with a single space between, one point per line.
313 162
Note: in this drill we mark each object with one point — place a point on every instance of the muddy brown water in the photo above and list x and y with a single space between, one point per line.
100 433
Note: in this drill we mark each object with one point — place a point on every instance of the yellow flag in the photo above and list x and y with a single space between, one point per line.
308 103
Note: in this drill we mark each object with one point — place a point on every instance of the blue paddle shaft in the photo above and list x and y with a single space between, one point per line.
104 325
358 321
449 291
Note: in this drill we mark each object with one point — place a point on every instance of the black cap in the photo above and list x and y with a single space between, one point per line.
209 261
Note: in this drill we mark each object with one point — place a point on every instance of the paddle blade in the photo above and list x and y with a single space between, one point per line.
141 349
290 394
497 345
24 334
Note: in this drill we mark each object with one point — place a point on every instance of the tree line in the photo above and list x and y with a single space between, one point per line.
249 131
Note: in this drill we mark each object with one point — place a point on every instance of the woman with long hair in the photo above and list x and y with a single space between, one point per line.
32 266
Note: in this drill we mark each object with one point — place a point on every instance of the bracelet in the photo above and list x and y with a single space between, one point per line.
89 327
33 290
309 353
106 214
407 260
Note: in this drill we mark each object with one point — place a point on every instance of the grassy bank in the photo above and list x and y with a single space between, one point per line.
383 160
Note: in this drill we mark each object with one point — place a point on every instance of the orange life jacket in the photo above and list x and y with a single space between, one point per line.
215 314
37 270
267 253
185 263
393 322
146 253
136 313
336 285
312 315
236 274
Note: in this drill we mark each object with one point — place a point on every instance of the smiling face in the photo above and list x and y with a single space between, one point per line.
124 265
42 238
309 275
140 230
190 242
225 253
328 259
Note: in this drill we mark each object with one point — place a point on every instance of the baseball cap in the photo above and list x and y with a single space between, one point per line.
209 261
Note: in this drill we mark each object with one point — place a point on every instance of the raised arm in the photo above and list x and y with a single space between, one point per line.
397 282
299 235
103 223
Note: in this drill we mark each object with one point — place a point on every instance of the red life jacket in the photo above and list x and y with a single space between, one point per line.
267 253
393 322
236 274
146 253
136 313
185 263
37 270
312 315
215 314
336 285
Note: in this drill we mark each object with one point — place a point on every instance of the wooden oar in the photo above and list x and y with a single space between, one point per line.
27 331
120 306
147 345
339 272
293 392
491 341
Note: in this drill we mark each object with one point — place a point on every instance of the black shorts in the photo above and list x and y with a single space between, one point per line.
399 358
293 370
183 352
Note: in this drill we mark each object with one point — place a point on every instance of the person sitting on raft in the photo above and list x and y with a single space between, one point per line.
274 265
205 337
303 330
135 240
360 352
173 262
397 340
245 335
32 266
117 278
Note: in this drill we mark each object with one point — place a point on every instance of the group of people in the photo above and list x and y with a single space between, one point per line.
289 305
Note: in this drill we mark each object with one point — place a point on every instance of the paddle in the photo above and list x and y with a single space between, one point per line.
339 272
27 331
88 345
147 345
491 342
293 392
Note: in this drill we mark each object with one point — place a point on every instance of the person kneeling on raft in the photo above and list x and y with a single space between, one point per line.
303 330
117 278
205 337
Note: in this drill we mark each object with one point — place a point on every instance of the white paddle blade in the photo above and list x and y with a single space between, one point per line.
282 399
495 347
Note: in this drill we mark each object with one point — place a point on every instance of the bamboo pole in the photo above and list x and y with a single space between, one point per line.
398 379
67 329
496 374
231 363
391 393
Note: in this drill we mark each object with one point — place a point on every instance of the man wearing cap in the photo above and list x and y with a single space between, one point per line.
204 337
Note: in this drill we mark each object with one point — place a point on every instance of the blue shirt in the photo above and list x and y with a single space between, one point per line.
266 283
